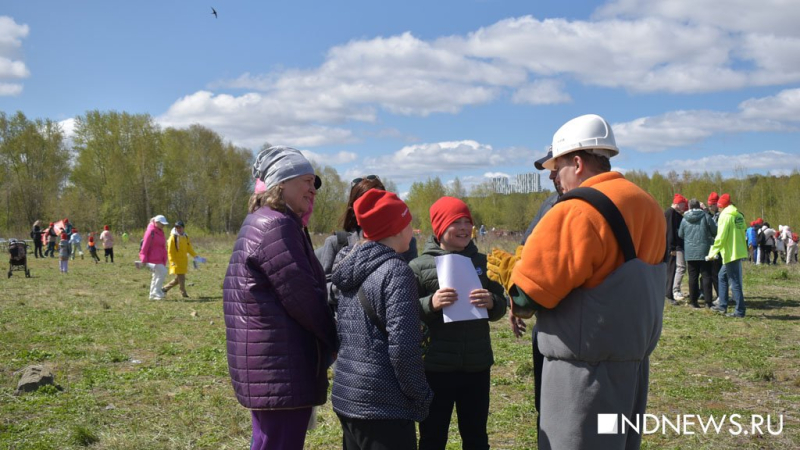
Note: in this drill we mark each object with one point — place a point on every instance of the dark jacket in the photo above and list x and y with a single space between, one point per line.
36 235
674 242
333 245
546 205
698 231
456 346
280 332
378 376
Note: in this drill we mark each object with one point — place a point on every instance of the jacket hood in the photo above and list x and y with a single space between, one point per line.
432 248
694 215
356 262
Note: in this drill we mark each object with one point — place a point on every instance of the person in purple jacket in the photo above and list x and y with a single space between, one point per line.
281 335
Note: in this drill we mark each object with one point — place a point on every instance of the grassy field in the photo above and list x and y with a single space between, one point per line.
139 374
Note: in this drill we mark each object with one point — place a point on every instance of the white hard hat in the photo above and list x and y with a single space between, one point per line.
590 133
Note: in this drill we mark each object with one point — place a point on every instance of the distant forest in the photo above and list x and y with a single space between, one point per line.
121 169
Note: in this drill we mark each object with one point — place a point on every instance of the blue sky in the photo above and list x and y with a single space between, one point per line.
413 89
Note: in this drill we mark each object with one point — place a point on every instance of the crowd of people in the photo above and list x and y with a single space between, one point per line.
364 302
161 255
63 237
712 240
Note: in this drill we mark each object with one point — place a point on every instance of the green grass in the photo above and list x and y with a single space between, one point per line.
137 374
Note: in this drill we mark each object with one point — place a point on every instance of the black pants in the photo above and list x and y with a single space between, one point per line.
538 363
697 268
365 434
672 266
93 252
51 249
37 248
109 252
469 392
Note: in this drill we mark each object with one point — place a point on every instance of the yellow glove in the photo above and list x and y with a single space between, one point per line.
499 265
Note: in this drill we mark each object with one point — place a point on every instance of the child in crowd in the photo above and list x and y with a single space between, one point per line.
63 252
75 242
379 387
92 248
459 357
108 243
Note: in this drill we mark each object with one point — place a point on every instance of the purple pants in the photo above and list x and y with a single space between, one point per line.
280 429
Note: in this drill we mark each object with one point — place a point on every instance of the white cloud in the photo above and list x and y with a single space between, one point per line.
768 160
442 159
641 46
330 160
542 92
10 89
68 127
495 175
765 16
780 112
11 67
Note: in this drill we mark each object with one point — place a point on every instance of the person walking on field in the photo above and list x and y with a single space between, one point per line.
36 235
108 243
698 230
92 247
51 234
75 243
674 257
178 246
600 301
731 245
63 252
153 255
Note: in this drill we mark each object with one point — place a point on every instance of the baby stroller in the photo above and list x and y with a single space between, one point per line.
19 257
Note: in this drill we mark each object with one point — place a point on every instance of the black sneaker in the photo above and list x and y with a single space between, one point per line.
719 309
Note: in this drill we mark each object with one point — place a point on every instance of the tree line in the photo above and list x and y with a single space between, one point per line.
121 169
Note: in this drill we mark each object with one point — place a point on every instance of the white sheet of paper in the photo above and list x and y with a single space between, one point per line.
457 272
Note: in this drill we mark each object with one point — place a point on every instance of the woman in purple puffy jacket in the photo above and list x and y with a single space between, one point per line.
281 336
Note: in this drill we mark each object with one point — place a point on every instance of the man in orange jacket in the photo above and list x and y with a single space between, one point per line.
597 279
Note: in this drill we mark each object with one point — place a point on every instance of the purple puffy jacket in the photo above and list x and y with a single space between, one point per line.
280 332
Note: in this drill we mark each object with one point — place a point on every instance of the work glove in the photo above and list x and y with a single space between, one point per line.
500 264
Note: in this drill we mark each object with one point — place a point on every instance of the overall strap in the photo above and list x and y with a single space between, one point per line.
610 212
362 297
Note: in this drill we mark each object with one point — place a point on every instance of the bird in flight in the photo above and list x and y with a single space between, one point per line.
214 12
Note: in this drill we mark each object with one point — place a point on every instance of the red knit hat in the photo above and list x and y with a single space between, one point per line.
759 221
724 201
63 235
713 198
381 214
105 227
678 199
445 211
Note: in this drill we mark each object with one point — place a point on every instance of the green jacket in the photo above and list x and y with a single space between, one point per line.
731 242
456 346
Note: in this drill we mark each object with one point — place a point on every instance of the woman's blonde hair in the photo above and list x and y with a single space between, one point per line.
272 197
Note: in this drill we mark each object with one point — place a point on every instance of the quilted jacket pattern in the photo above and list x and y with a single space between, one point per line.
280 332
378 376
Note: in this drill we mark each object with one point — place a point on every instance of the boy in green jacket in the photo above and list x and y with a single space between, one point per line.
731 245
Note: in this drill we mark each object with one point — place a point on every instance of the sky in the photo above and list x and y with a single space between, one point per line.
414 89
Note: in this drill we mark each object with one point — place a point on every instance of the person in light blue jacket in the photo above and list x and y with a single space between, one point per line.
698 230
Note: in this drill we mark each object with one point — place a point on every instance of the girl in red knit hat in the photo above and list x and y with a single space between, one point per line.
459 357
